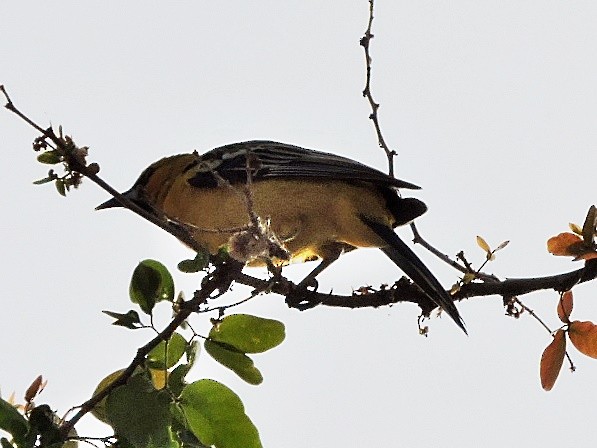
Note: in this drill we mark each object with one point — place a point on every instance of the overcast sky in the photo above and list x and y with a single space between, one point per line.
492 109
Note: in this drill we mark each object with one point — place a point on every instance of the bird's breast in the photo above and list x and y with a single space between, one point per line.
304 215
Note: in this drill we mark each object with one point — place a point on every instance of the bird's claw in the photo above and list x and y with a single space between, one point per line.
303 298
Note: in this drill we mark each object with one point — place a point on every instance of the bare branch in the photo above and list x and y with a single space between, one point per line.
77 164
404 291
365 42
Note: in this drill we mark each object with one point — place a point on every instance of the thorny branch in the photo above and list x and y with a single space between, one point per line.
404 291
365 41
489 284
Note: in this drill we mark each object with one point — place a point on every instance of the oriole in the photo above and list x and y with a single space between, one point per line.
318 205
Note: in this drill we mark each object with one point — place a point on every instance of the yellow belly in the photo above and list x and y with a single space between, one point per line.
306 216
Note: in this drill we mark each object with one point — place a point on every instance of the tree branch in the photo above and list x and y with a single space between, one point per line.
365 40
404 291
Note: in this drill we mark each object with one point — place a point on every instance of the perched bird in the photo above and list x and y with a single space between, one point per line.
317 205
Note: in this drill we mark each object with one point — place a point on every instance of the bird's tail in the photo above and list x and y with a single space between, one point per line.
412 266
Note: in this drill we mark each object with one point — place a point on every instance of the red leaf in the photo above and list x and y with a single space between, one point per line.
565 307
552 359
584 337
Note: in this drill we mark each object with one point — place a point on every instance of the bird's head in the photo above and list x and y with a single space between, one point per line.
152 186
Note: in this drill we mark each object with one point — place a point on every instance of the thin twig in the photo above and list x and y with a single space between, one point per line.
544 325
365 42
533 314
176 229
418 239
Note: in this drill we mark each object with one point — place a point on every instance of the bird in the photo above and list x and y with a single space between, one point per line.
317 205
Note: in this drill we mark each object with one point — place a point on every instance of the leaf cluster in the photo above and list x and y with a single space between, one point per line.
154 405
582 334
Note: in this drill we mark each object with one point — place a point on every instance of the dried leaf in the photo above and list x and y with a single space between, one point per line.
584 337
552 359
502 245
483 245
565 306
575 228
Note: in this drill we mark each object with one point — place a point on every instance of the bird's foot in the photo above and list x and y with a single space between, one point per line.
303 298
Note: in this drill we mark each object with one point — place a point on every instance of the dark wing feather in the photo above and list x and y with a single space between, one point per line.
272 160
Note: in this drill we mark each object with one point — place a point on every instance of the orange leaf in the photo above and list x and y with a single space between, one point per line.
584 337
552 359
565 307
569 244
564 244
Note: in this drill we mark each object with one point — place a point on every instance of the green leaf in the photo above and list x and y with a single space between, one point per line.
199 263
51 176
151 283
60 187
129 320
248 334
216 415
15 424
45 180
176 379
236 361
140 414
191 352
49 157
235 335
167 353
189 440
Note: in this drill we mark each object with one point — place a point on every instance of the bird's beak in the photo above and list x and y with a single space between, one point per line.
110 203
113 202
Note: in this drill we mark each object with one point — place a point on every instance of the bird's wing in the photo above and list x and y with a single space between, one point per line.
270 160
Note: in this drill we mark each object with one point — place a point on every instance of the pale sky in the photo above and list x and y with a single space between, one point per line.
491 107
